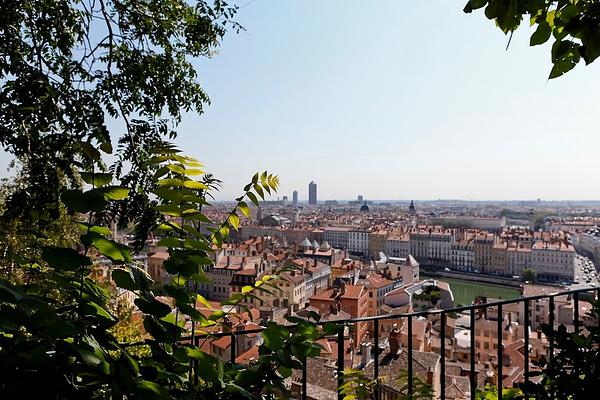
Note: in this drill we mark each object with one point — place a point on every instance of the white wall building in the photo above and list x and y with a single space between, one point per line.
553 261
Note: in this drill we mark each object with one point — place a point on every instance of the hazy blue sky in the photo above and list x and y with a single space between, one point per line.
394 100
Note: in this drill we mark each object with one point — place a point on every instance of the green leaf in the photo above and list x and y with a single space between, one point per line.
565 56
203 301
274 336
194 172
64 258
247 289
114 192
165 193
191 184
168 209
96 179
170 182
101 230
152 307
169 242
253 198
106 147
541 34
150 391
218 314
92 308
90 151
107 247
244 208
474 5
124 279
81 202
234 220
176 168
259 191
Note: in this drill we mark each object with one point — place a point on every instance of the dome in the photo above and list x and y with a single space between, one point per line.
364 207
325 246
315 244
305 243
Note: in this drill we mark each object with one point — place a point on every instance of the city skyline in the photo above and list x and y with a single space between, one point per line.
397 116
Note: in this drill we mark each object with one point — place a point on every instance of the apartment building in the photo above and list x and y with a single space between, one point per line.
397 246
376 242
483 244
499 262
431 245
338 236
462 255
476 222
553 261
358 241
351 299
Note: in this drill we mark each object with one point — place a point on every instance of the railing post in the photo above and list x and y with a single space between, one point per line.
443 356
233 349
598 299
304 379
340 361
409 353
376 358
195 340
472 360
499 349
526 335
576 311
551 323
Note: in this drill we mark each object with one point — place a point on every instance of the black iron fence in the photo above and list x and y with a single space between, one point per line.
471 310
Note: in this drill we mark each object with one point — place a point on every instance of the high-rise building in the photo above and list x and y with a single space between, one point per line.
312 193
295 197
360 198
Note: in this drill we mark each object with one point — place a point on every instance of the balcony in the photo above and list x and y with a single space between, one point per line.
430 347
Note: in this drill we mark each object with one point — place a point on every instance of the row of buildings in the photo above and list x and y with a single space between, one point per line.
504 252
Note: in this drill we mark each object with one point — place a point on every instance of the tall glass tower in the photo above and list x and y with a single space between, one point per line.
312 193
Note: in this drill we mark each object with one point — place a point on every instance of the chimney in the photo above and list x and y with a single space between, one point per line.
394 340
332 309
365 351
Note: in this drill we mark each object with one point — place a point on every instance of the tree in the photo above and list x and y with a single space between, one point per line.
68 67
528 275
574 26
18 237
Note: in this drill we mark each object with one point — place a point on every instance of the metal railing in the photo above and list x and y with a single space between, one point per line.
442 313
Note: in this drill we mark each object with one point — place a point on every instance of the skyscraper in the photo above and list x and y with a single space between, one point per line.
295 197
312 193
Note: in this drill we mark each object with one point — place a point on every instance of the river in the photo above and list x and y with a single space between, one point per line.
465 291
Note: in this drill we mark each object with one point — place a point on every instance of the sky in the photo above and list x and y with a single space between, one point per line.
394 100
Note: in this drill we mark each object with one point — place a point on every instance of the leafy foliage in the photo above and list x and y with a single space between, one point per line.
528 275
71 66
430 294
83 344
573 372
490 392
574 26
